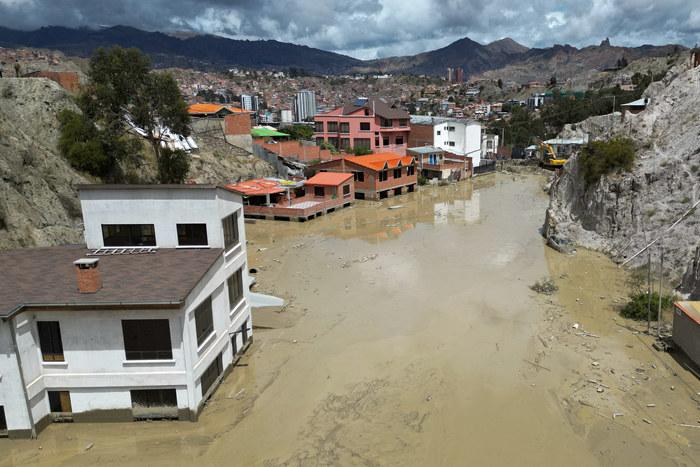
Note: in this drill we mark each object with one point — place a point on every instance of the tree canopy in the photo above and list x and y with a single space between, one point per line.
123 90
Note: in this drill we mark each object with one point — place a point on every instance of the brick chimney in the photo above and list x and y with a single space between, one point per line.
88 275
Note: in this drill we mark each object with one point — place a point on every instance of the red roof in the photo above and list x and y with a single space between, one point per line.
329 178
380 161
212 109
257 187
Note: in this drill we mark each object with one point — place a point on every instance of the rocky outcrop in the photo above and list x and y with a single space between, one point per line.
38 198
623 212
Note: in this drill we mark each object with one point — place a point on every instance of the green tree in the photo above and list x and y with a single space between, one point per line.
300 132
600 158
122 89
500 83
173 166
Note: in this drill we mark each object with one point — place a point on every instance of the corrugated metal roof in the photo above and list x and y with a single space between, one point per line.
427 120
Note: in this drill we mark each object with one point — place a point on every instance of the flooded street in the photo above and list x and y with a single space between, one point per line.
412 338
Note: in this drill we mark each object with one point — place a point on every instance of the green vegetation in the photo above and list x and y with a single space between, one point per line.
361 151
122 87
638 306
600 158
422 180
299 132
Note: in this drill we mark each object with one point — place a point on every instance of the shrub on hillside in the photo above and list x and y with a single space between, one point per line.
638 306
173 165
600 158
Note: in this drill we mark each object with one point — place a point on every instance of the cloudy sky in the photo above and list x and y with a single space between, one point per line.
380 28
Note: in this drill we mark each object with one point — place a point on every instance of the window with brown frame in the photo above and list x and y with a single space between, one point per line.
204 321
50 341
235 288
147 339
230 225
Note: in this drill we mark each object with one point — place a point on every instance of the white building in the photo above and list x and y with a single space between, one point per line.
142 322
489 146
250 103
285 116
458 136
304 105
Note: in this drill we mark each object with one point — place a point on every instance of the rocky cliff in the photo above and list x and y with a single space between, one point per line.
623 212
38 199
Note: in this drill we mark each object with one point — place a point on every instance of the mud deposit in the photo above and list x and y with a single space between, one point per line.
412 338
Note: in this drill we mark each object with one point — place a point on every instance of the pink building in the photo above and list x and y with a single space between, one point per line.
366 123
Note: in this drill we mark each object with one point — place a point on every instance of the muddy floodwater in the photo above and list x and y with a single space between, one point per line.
412 337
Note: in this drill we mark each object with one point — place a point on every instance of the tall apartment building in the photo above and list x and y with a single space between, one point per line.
304 105
141 322
368 123
250 103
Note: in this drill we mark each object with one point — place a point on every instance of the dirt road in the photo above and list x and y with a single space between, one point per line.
412 338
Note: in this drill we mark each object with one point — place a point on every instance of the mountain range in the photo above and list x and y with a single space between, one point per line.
216 52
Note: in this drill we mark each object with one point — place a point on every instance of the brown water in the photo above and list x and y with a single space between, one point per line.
412 338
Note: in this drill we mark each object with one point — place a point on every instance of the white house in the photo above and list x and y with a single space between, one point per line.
142 322
457 136
489 146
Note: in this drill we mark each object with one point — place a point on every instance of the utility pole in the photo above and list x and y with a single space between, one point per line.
649 293
661 272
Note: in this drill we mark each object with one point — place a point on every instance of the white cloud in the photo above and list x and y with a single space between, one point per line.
379 28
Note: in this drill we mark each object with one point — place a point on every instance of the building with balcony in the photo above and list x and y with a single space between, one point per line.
365 123
275 199
461 137
376 176
142 322
434 163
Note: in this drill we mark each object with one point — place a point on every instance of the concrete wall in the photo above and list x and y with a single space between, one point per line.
686 335
165 208
11 394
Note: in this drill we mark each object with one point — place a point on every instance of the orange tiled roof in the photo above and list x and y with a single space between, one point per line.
256 187
389 160
212 109
329 178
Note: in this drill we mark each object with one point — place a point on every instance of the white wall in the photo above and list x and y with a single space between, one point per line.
11 394
164 208
466 138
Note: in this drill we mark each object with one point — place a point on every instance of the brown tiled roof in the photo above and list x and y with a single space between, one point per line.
380 108
46 277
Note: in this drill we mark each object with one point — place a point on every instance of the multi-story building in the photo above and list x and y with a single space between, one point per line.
142 322
304 105
489 146
250 102
366 123
461 137
377 176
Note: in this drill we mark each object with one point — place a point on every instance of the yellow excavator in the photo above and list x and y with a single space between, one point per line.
550 160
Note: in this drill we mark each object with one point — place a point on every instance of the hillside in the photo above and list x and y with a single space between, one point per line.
512 61
577 66
38 198
623 212
197 51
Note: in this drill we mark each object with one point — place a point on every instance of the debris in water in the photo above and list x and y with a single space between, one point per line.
89 446
575 325
651 405
599 389
262 249
646 421
545 286
617 414
398 206
428 398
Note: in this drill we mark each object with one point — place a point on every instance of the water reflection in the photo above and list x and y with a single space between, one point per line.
377 221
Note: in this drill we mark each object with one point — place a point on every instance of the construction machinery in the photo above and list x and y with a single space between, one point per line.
550 160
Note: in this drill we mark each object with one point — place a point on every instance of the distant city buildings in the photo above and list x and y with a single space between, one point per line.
455 75
304 105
